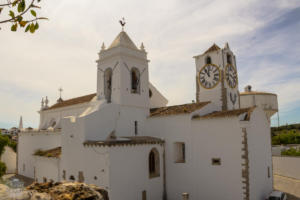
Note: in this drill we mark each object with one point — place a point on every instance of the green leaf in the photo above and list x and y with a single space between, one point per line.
15 2
21 6
32 28
33 13
14 27
27 28
12 14
19 18
36 26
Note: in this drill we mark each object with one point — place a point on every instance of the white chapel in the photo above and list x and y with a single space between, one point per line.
126 139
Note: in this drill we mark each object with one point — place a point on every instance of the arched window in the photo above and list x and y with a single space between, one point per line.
52 123
150 93
229 61
154 163
135 80
208 60
107 84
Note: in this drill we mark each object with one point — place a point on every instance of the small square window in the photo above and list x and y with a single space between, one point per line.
216 161
179 152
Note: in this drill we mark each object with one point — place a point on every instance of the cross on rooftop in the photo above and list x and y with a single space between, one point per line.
60 91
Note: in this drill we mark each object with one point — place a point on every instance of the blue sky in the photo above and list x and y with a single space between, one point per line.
262 34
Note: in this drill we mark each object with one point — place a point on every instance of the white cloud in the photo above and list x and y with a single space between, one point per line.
64 50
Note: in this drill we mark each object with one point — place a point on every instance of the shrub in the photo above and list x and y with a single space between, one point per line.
290 152
2 168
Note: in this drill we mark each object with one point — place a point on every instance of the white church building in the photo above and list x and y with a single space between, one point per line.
126 139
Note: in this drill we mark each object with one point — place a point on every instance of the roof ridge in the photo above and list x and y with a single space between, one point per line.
73 101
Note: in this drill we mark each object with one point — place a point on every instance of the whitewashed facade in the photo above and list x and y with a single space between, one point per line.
126 139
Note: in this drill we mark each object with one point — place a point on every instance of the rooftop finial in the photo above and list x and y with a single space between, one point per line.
142 47
122 22
103 46
46 102
42 104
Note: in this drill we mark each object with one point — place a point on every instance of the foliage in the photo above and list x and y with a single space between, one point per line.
17 10
290 152
6 140
39 153
2 168
288 134
286 137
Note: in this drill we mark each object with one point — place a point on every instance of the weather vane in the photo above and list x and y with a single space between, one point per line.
122 22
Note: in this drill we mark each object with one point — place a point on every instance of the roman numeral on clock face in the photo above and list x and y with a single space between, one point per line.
209 76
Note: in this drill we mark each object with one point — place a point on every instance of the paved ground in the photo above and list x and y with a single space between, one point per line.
27 181
288 185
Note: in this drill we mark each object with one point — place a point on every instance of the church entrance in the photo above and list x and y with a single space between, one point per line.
107 84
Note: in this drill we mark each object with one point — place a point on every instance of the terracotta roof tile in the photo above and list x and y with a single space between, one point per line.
228 113
134 140
178 109
214 47
74 101
50 153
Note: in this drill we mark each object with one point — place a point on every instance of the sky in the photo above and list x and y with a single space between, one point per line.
264 36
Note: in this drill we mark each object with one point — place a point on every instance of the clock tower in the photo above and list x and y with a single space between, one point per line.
217 79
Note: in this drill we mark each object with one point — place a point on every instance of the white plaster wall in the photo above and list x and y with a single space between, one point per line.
9 157
260 155
125 59
223 141
46 167
129 173
203 141
157 99
29 142
99 124
266 101
59 113
287 166
92 161
132 99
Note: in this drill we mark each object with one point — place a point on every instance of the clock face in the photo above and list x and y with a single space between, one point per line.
209 76
231 76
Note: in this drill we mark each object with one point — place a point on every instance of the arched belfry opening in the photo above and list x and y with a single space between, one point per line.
107 84
154 165
229 59
135 80
208 60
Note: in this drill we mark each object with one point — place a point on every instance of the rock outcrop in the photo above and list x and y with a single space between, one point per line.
56 191
66 191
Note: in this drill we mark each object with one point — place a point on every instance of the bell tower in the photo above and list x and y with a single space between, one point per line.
217 79
122 73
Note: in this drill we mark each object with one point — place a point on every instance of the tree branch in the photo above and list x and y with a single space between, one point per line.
13 19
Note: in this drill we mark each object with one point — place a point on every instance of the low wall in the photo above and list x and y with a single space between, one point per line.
9 157
287 166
